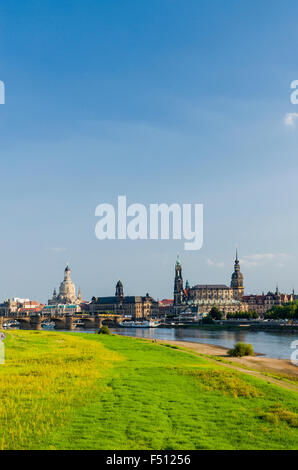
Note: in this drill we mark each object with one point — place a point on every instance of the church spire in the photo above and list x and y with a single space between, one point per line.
178 283
119 290
237 279
277 290
79 295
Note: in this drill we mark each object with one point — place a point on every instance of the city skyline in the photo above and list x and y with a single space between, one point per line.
77 288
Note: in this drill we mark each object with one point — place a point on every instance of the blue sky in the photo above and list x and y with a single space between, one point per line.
163 101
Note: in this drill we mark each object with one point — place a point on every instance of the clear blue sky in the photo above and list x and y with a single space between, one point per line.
160 100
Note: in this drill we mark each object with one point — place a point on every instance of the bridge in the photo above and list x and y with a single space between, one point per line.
35 321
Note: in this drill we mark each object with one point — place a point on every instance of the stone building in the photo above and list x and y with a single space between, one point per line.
20 306
61 309
67 291
262 303
134 306
165 307
8 306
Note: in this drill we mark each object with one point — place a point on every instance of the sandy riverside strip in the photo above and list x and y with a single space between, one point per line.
255 365
258 363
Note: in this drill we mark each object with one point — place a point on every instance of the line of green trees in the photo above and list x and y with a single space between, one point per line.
287 311
216 314
242 315
283 312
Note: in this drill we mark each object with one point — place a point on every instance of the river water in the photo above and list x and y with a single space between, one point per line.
271 344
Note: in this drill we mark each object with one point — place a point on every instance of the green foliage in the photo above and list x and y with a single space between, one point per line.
287 311
208 320
241 349
242 315
104 330
216 314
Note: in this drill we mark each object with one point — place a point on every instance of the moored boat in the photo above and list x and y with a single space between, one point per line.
139 324
11 324
48 325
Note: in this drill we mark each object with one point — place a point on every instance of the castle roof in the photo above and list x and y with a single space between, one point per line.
210 286
111 300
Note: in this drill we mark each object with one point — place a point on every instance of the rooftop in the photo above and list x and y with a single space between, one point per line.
210 286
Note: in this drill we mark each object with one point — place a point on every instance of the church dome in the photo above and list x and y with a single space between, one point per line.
67 291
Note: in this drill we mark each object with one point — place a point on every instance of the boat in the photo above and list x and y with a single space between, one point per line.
11 324
48 324
139 324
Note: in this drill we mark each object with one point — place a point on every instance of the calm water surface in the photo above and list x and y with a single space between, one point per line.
268 343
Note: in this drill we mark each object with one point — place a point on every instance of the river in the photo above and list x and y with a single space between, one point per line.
272 344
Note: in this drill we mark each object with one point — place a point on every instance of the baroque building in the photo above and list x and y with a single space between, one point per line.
67 291
119 304
262 303
203 297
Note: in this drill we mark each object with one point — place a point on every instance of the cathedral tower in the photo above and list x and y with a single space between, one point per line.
119 290
237 280
178 284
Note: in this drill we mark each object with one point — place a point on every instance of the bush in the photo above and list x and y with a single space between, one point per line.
104 330
241 349
242 315
207 320
216 314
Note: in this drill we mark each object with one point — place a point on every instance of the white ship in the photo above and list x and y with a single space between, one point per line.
139 324
48 324
11 324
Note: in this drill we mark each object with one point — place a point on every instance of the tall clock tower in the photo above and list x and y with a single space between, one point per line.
178 284
237 280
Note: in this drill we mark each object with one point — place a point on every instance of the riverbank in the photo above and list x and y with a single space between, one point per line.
89 391
270 344
278 367
239 326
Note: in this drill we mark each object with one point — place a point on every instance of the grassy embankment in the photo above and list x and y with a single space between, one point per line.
83 391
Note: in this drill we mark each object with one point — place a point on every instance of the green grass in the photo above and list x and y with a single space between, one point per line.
84 391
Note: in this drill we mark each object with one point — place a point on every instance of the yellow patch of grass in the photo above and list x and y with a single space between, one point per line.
277 414
45 375
227 383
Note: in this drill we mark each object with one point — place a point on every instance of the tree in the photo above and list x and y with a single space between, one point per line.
216 314
207 320
286 311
